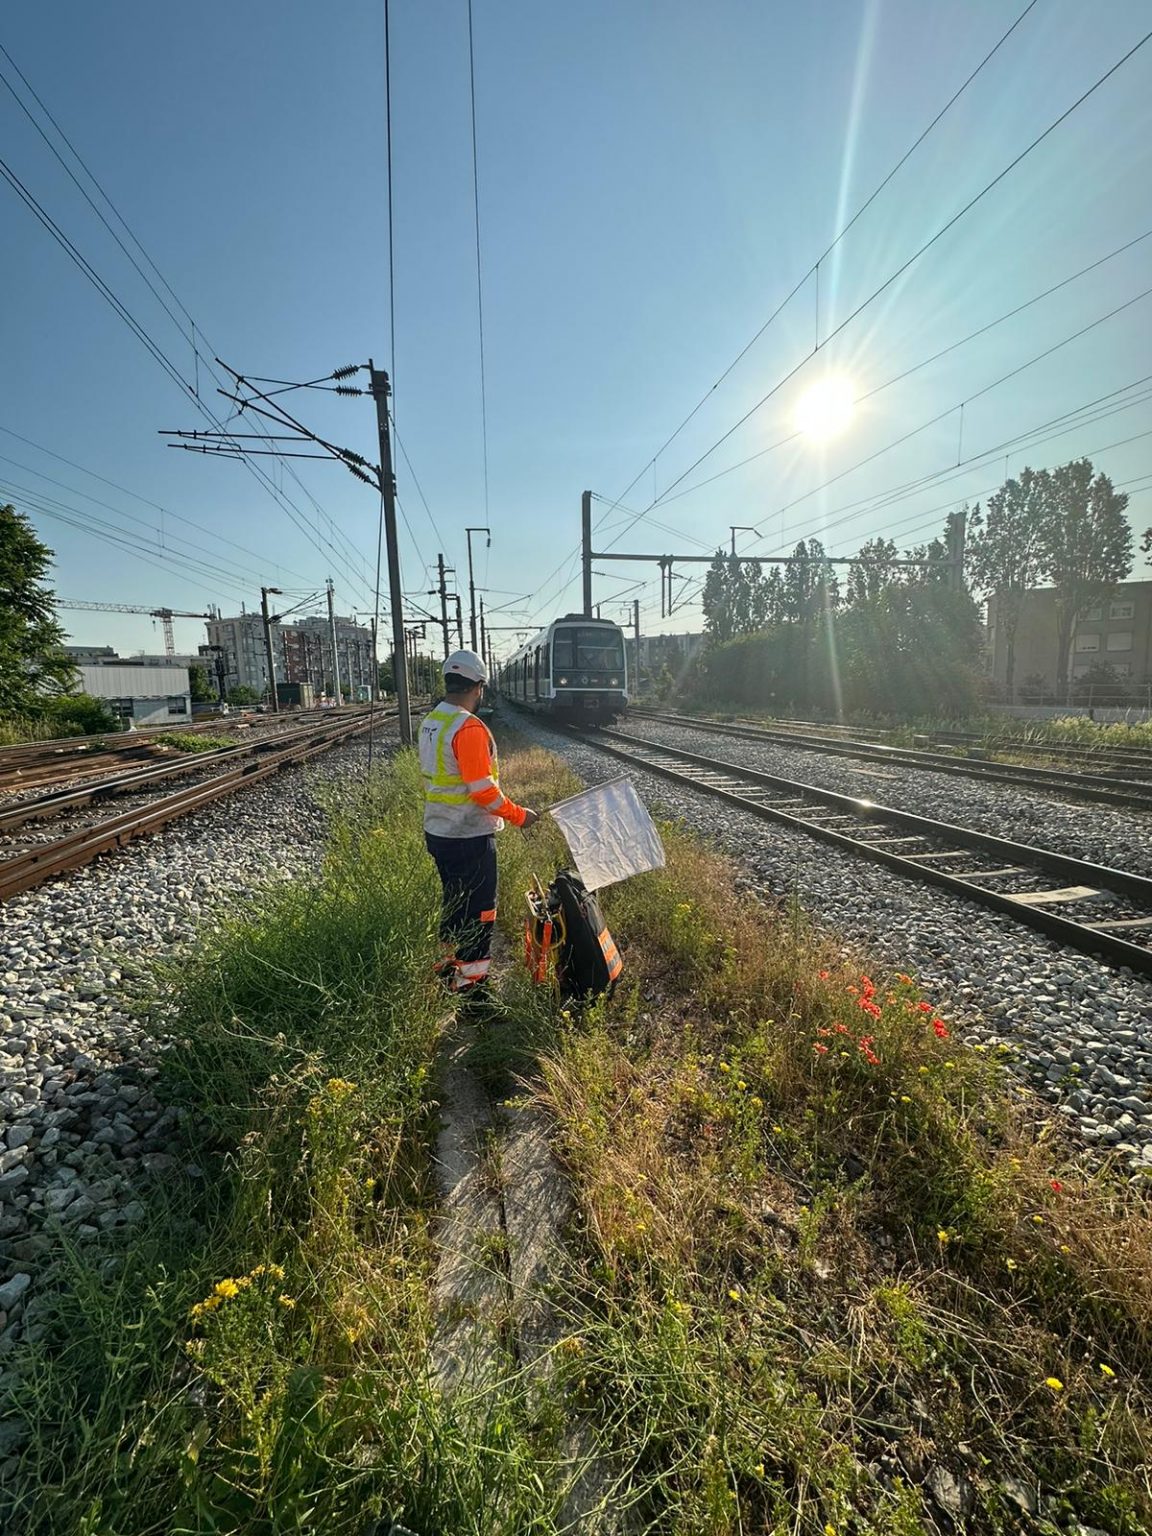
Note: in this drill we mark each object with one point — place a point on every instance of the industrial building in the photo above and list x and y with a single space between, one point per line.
1115 634
140 695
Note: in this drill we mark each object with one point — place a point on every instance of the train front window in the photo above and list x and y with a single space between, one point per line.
587 650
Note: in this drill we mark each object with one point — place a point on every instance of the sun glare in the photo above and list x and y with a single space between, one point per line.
826 408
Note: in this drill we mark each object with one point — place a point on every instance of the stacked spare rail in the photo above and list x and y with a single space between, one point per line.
1094 908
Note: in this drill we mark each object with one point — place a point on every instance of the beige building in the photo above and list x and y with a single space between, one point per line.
1116 633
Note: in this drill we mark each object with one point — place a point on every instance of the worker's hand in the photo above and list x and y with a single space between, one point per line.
530 819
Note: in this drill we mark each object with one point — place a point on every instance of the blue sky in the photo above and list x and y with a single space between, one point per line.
654 179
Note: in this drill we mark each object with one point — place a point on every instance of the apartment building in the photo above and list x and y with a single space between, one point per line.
1115 633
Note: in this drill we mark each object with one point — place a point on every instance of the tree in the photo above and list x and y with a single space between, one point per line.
866 582
243 695
1085 546
1004 553
725 600
201 689
33 662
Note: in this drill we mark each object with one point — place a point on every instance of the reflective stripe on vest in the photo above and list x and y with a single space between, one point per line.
449 809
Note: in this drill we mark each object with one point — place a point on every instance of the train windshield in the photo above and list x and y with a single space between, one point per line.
588 650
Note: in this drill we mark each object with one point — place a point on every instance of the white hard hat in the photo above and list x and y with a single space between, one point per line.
466 664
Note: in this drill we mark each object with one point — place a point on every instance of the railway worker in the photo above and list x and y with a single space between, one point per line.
463 810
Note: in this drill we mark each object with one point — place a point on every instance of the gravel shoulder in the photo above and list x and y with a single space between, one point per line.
81 1132
1081 1034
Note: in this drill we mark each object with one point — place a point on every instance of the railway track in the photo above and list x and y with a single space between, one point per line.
33 865
1101 911
39 764
1134 761
1103 789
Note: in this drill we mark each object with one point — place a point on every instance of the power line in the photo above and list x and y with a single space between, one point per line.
951 410
125 314
877 500
479 283
900 270
416 483
814 269
782 442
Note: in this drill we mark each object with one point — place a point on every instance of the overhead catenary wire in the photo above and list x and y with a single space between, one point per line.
666 498
479 276
814 269
893 276
191 389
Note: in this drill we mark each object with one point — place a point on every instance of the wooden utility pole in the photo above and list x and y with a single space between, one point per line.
380 391
273 700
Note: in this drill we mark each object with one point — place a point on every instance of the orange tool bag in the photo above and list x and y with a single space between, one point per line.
566 935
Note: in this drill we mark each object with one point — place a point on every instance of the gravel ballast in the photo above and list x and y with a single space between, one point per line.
1081 1033
81 1132
1101 833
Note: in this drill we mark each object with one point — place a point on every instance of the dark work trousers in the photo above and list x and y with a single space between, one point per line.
467 869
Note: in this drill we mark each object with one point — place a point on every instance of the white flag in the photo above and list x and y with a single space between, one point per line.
610 833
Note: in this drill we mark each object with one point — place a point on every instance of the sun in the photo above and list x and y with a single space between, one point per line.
826 408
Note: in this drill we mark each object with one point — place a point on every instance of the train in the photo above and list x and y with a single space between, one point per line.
576 669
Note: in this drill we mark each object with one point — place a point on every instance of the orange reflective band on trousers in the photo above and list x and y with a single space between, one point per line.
489 916
611 954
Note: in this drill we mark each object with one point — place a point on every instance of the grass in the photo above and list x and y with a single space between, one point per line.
827 1250
194 741
822 1251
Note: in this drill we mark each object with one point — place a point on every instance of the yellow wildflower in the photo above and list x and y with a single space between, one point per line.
1039 1220
758 1469
226 1289
1106 1370
757 1103
905 1098
735 1293
1054 1382
741 1084
287 1302
1011 1264
942 1235
724 1067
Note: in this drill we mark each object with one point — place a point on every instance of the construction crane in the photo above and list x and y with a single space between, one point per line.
165 615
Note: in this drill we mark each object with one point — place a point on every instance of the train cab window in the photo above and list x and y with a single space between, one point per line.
583 649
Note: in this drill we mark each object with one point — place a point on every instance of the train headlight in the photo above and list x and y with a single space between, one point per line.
615 682
563 682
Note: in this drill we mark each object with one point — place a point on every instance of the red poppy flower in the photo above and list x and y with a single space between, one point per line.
823 975
841 1029
870 1007
1055 1184
941 1029
924 1007
821 1050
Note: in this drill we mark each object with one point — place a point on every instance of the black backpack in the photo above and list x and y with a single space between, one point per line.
587 960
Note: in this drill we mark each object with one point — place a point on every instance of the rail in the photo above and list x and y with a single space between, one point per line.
1101 788
40 862
1014 875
